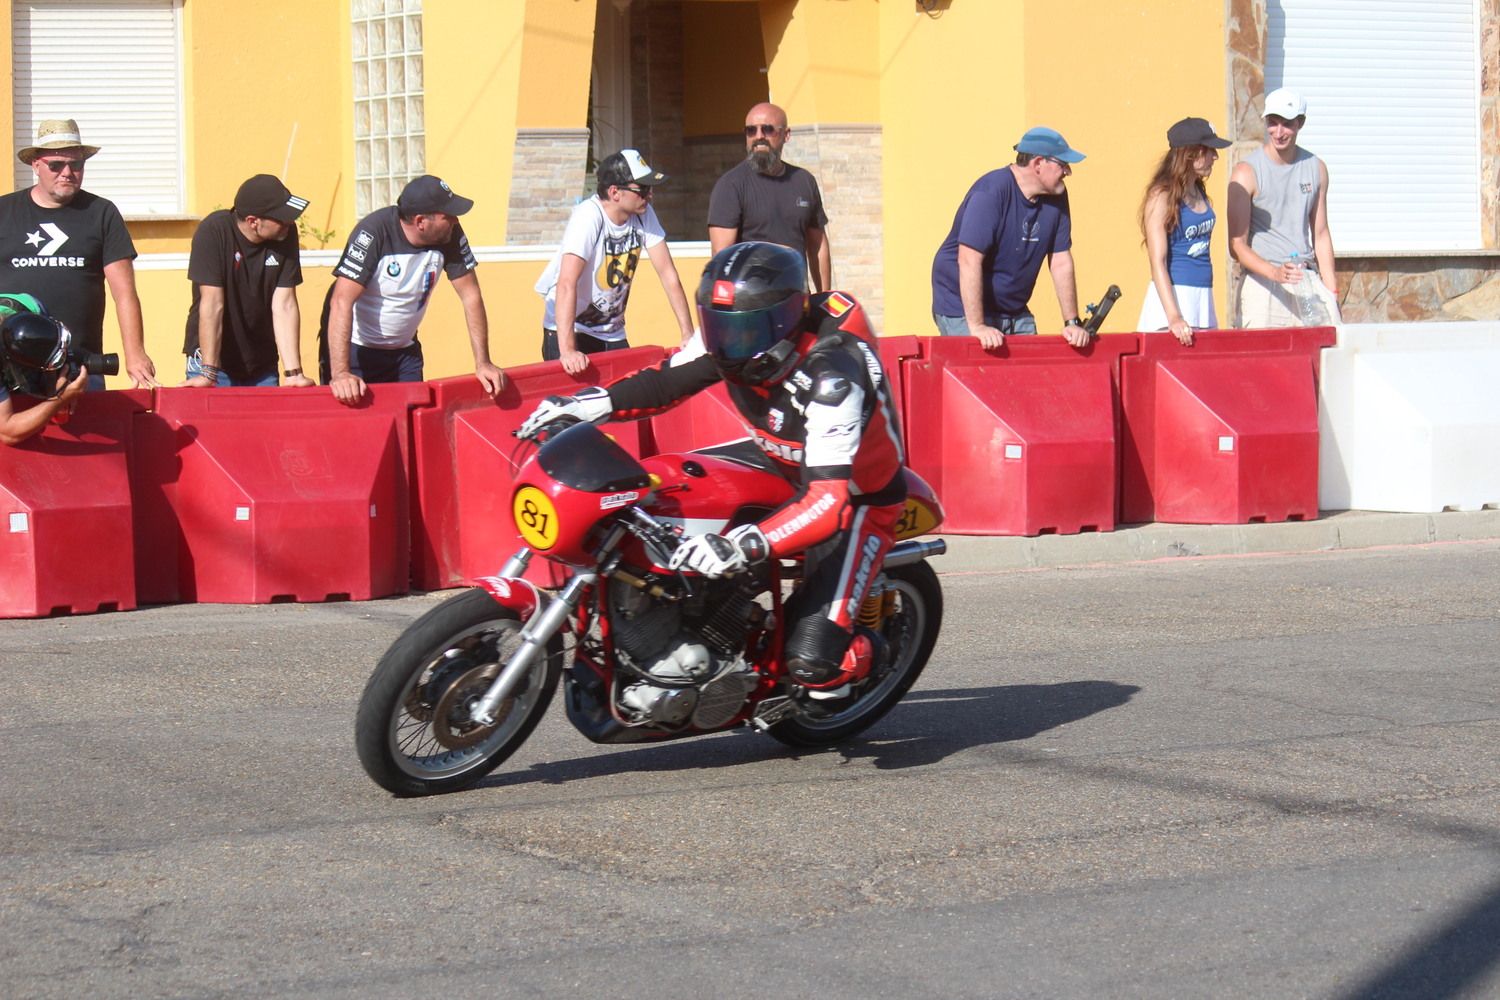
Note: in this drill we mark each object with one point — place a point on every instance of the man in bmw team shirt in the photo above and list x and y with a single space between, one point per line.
382 285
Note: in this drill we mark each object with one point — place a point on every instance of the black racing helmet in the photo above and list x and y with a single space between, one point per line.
33 353
752 298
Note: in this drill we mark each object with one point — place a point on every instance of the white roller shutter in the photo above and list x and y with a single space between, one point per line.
116 67
1393 110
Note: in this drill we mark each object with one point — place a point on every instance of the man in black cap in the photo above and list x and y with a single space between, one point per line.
382 285
245 267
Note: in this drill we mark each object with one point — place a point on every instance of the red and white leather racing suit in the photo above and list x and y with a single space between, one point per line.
827 422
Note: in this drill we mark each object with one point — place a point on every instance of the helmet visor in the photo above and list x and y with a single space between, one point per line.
737 336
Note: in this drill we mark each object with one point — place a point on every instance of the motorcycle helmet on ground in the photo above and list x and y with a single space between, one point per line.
751 302
33 353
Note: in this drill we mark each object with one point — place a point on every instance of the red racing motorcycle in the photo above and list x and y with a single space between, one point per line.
645 653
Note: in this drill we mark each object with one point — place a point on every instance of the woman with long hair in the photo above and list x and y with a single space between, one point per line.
1177 221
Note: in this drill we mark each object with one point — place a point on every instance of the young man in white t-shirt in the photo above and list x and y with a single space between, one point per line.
587 283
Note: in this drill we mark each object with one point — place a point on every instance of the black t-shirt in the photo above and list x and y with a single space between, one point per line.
59 255
249 273
775 209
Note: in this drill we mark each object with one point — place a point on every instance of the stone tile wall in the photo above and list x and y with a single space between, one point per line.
547 180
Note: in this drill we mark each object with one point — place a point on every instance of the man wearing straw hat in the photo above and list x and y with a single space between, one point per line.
63 244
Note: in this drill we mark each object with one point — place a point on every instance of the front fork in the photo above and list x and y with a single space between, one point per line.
535 635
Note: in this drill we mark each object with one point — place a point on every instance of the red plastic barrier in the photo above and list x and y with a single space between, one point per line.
1225 431
281 494
896 353
705 419
66 502
465 458
1021 440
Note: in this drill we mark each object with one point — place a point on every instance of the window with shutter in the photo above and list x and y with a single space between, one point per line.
114 66
1393 109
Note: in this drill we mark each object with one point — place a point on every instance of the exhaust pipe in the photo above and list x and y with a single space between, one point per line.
905 553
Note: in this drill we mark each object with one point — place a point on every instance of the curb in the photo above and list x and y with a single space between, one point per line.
1345 529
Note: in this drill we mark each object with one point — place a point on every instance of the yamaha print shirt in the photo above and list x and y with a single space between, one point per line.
398 277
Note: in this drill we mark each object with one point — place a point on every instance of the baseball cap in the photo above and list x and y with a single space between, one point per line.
1042 141
1195 132
628 167
429 195
267 197
1284 102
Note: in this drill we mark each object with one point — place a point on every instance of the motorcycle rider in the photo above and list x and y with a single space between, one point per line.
804 375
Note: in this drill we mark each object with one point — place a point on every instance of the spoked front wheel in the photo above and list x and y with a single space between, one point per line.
909 626
413 730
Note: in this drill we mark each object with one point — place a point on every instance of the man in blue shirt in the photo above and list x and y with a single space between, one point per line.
1011 220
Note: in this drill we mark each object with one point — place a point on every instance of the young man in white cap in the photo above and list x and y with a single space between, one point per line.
63 244
604 237
1011 220
383 283
1278 222
245 266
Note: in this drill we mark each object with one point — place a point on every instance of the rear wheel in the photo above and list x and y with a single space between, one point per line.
910 631
413 731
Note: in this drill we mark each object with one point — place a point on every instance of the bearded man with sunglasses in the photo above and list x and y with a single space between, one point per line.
767 199
63 244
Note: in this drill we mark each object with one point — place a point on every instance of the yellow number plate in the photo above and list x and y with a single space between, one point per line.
536 518
916 519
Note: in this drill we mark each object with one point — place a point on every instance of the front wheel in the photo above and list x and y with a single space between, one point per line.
412 729
910 629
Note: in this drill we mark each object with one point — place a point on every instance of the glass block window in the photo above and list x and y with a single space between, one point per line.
389 134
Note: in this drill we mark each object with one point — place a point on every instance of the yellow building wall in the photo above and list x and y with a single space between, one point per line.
952 93
958 90
822 59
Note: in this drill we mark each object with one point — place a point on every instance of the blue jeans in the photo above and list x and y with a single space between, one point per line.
195 368
957 326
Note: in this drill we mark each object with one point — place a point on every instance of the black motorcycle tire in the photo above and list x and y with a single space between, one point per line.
380 734
922 598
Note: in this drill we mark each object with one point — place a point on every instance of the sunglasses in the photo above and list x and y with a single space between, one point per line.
644 190
751 131
57 166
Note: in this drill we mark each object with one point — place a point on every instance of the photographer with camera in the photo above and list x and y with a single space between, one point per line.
39 359
64 245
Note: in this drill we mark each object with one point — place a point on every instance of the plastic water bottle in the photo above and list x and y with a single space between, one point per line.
1310 305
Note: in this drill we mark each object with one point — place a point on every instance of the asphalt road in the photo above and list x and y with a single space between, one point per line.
1259 776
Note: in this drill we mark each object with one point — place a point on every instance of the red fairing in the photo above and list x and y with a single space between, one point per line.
727 487
518 595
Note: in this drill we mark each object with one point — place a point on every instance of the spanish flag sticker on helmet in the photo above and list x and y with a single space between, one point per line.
837 304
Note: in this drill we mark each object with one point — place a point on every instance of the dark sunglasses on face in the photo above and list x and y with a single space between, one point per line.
56 166
644 190
751 131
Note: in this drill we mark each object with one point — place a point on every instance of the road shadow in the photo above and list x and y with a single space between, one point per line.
1449 961
924 728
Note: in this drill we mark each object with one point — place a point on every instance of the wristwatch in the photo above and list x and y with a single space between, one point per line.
291 373
1075 321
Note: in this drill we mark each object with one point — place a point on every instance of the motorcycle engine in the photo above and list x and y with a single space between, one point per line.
687 656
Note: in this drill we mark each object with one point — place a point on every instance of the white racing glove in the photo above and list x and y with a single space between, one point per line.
719 555
590 405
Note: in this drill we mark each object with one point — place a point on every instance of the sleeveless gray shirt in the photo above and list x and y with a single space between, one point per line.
1281 212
